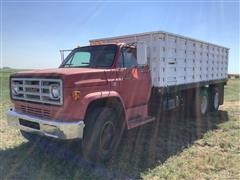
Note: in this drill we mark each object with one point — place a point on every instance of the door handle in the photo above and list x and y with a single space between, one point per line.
144 71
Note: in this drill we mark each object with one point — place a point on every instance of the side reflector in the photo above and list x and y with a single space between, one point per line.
76 95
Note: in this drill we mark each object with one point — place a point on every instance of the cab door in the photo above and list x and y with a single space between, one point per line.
135 84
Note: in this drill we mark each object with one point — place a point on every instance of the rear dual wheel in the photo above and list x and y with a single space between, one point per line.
201 102
214 99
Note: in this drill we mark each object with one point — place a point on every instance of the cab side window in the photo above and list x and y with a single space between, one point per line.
129 56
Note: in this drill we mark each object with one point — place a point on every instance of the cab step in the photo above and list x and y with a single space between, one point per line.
135 122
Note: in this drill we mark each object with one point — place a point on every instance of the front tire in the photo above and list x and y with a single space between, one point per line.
102 134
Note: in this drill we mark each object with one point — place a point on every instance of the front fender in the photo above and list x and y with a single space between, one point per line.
87 99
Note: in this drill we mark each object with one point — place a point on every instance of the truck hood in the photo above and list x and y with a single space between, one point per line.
62 72
71 76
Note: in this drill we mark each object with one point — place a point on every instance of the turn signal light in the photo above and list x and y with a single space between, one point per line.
76 95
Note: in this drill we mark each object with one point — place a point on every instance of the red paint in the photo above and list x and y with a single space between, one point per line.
131 86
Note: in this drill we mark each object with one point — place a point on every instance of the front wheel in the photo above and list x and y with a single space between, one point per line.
101 134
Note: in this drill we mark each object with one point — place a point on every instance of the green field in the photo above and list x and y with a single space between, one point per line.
173 148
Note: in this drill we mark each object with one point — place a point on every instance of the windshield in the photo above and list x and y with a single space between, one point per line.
91 56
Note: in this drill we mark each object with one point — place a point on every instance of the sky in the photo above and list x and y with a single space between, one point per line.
33 32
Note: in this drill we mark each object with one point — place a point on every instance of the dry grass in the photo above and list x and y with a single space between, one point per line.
216 155
173 148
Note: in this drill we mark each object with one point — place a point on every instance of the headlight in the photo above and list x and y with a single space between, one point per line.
15 90
55 91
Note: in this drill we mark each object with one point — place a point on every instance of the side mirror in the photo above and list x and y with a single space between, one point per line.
141 53
62 55
63 52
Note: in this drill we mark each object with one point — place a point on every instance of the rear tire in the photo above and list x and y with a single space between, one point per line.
201 102
214 99
102 134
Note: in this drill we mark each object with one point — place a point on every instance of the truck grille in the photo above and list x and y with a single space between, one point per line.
36 90
45 113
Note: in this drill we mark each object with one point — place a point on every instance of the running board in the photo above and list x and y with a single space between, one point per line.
132 123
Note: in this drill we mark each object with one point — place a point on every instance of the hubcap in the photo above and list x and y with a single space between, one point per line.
216 100
107 135
204 104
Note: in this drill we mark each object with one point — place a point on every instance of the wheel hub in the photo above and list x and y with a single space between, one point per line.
204 104
216 100
107 135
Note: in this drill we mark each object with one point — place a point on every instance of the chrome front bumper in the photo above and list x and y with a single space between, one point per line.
45 127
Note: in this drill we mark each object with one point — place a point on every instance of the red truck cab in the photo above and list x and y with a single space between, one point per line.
96 92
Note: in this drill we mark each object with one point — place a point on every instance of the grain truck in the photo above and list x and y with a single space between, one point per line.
117 84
